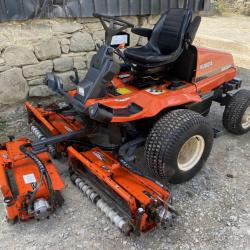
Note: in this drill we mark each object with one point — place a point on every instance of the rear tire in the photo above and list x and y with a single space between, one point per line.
236 117
179 145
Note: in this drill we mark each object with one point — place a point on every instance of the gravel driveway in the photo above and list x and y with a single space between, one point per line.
214 208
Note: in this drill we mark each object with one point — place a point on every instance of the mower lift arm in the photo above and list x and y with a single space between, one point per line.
41 146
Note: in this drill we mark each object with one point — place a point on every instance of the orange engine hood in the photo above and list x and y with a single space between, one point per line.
211 62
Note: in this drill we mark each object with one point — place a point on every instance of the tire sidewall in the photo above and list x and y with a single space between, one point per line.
172 171
234 111
241 129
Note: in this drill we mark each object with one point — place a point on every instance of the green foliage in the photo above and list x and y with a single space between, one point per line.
219 6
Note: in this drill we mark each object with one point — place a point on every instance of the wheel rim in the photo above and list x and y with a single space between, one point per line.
246 119
191 153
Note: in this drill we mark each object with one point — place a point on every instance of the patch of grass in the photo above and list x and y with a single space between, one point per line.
219 6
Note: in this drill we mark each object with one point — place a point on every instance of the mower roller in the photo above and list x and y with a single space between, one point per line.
157 98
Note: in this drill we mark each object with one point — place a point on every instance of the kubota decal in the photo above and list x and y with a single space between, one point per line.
206 65
215 72
100 156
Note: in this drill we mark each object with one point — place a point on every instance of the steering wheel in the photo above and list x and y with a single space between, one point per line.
112 22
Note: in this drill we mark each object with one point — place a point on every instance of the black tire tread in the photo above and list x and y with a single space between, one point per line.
164 135
234 111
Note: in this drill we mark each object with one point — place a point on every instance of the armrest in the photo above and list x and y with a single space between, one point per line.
143 32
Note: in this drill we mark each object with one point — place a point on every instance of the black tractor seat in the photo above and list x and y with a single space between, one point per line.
167 40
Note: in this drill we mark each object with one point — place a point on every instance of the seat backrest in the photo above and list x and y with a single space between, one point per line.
192 29
169 32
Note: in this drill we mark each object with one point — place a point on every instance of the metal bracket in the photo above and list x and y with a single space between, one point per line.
127 151
75 79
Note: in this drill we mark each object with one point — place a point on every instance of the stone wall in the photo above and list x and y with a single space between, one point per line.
237 6
242 6
30 49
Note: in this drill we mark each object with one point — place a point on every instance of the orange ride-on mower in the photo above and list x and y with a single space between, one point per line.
157 99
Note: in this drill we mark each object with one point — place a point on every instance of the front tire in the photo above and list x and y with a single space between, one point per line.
236 117
179 145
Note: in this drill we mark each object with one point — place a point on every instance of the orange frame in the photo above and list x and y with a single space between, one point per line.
132 188
12 159
213 69
128 185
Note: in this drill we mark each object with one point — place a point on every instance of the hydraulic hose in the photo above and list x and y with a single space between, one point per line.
38 162
43 171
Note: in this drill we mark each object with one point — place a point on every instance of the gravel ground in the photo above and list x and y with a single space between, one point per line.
214 208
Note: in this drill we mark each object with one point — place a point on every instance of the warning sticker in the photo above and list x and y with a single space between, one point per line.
29 178
123 91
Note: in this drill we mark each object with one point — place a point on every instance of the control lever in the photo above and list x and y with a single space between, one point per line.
75 79
54 83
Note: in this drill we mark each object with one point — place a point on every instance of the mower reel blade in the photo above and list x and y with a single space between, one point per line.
145 200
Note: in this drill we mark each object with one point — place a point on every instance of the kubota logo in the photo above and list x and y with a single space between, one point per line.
206 65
